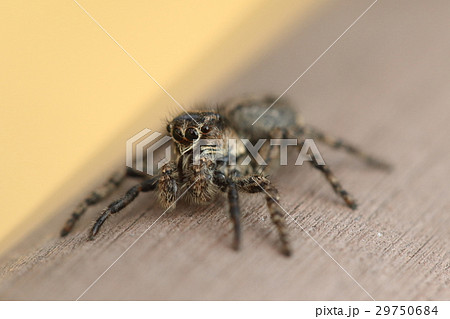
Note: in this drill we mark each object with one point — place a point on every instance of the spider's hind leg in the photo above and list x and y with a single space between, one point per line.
338 143
298 133
334 182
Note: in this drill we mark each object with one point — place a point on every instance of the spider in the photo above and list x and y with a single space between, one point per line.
210 175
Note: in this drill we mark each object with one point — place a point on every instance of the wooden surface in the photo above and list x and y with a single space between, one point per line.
385 86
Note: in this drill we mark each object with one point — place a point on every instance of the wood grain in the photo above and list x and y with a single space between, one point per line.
385 86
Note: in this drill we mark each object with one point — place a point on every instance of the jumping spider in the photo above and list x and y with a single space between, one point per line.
204 180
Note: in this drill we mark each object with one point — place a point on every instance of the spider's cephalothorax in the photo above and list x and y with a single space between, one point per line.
204 176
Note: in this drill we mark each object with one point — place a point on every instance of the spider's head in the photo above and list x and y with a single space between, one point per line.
187 129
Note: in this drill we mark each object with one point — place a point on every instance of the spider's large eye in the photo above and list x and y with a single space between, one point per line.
205 129
177 134
191 134
168 128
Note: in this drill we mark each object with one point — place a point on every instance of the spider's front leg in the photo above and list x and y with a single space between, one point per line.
259 184
228 185
121 203
235 214
98 195
166 184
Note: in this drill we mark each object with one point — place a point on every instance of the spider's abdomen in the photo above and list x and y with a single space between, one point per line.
242 113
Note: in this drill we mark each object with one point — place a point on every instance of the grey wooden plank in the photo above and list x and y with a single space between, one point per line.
385 86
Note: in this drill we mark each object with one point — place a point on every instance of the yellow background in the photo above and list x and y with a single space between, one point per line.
70 95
